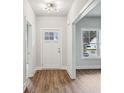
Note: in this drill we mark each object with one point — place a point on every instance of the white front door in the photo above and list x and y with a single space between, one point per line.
51 43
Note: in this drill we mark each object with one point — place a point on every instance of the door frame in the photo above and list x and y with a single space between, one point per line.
41 45
27 73
29 40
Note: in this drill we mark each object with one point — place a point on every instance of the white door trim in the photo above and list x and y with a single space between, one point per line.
29 72
41 33
87 7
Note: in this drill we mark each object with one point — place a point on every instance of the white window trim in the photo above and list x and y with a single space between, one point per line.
98 41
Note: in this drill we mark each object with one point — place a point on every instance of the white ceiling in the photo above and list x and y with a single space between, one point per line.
95 11
64 6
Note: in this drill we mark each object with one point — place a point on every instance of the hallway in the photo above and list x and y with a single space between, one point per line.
58 38
58 81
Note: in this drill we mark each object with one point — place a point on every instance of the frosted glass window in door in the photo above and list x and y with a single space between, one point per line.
56 35
51 36
46 35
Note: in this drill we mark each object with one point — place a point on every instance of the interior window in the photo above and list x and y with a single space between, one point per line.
89 44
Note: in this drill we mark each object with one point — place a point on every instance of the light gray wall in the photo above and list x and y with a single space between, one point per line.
51 22
88 23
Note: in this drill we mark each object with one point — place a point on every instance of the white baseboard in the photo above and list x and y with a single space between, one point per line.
70 74
89 67
38 68
34 71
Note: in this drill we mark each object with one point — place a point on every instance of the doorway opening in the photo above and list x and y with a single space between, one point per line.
81 59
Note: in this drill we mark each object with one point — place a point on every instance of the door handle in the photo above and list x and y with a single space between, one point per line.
59 50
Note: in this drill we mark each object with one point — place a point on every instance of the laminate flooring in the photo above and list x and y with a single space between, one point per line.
58 81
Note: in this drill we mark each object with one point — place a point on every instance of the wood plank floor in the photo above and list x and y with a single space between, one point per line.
58 81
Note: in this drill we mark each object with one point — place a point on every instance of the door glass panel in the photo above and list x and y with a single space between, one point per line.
51 36
46 35
55 35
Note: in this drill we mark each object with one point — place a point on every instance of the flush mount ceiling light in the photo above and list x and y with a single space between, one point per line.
51 7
